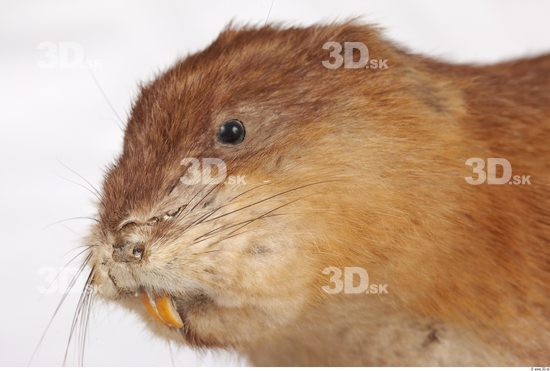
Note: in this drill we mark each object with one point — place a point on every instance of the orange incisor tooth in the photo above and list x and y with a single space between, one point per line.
162 309
168 312
151 307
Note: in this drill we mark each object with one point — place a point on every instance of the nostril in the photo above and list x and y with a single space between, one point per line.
126 253
137 251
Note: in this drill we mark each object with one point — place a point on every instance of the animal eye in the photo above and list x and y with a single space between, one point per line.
231 132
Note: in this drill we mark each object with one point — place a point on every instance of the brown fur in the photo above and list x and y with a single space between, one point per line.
368 169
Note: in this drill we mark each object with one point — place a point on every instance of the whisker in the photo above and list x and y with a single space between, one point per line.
96 191
200 220
85 325
70 230
197 193
263 216
245 223
206 195
172 359
69 219
269 198
80 185
247 191
70 261
204 218
205 252
78 313
98 85
214 232
221 240
85 247
56 311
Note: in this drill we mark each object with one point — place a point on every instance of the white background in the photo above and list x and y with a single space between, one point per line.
52 116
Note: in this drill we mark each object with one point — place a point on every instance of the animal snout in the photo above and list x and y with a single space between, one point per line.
128 252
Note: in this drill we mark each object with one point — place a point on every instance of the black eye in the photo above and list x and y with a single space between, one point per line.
231 132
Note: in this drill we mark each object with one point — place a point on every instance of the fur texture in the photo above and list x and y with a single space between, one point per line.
344 168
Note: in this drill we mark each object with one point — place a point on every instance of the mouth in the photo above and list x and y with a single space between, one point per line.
162 308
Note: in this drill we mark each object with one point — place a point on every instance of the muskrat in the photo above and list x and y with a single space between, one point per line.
329 167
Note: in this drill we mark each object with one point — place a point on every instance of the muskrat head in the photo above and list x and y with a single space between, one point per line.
236 182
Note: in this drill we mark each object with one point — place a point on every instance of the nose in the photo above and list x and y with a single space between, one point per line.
128 253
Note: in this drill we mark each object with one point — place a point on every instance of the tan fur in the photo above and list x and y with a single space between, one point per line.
346 168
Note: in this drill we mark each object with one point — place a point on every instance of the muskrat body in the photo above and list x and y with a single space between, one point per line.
342 167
